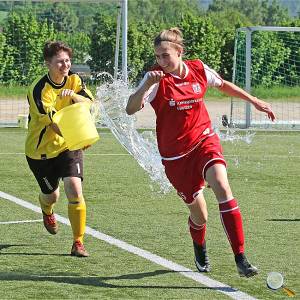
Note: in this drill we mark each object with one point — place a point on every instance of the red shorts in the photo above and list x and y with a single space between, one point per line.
187 174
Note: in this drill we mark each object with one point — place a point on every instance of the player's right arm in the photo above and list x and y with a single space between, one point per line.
136 100
41 104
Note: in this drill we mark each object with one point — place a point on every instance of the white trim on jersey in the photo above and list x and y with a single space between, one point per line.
151 93
213 80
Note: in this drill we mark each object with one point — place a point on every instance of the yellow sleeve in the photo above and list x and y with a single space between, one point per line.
82 90
42 101
48 105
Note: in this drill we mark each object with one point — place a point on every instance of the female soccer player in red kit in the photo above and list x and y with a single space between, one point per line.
190 149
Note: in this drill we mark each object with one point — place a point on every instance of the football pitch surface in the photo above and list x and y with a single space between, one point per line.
138 239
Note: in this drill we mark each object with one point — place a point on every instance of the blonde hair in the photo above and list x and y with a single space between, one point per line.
172 35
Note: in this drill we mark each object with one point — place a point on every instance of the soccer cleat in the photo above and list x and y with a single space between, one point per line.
50 223
245 269
78 250
201 258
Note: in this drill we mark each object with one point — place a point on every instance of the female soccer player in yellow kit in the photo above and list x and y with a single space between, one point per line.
46 152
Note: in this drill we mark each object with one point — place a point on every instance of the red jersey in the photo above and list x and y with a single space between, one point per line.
182 120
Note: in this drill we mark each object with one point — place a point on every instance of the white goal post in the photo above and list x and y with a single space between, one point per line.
267 65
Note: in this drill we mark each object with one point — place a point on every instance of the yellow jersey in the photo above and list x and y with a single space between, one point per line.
44 100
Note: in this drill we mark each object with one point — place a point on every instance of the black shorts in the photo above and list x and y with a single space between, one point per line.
48 172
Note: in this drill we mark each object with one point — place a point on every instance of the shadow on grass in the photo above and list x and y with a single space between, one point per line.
284 220
5 246
98 281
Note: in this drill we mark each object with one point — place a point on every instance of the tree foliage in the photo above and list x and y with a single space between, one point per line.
26 37
202 40
162 11
6 60
103 42
90 29
61 16
258 12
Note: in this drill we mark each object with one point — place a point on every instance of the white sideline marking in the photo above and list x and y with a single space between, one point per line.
204 280
18 222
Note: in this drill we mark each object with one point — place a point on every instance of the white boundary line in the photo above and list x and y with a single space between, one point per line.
204 280
20 222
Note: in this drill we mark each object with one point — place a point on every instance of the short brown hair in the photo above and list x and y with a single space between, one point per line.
52 48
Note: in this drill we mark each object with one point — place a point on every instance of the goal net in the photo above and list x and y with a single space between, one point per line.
267 64
25 26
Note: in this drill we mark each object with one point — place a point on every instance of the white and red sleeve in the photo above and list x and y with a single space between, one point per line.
151 93
213 78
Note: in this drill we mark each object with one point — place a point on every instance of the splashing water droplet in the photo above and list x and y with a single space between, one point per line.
232 135
112 98
236 162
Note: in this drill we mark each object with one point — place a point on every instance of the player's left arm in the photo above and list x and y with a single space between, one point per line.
233 90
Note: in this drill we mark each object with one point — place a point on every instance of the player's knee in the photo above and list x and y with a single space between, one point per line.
197 221
196 224
203 218
73 188
198 210
51 198
221 189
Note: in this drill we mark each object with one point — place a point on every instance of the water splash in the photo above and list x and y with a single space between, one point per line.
112 98
233 135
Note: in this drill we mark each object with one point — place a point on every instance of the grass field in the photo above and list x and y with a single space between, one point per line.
35 265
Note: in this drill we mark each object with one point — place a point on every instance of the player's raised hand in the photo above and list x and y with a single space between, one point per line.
154 77
264 107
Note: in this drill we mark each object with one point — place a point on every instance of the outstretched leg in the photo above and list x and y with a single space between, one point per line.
231 217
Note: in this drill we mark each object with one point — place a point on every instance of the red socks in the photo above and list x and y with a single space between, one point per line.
197 232
232 222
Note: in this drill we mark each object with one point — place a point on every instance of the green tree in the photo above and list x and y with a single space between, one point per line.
259 12
274 13
268 56
202 40
6 61
162 11
228 21
80 42
103 40
140 47
61 16
268 59
26 36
